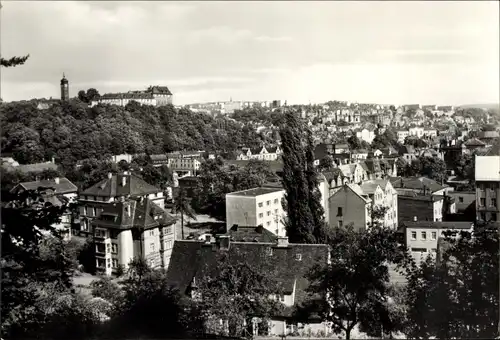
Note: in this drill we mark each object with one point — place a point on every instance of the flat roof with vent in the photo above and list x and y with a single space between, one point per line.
255 192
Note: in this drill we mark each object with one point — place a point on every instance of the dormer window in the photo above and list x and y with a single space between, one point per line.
269 251
298 257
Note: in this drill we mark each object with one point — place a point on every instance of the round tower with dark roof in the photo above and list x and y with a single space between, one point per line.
64 88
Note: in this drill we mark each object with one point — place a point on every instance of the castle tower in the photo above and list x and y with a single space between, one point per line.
64 88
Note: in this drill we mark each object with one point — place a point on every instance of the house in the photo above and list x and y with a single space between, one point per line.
132 228
366 134
402 134
115 188
192 261
422 197
123 157
465 205
159 160
58 191
383 196
474 144
358 155
265 154
257 206
153 95
349 205
353 172
488 186
416 131
421 237
408 153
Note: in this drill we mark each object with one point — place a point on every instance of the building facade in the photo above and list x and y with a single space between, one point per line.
257 206
349 205
488 187
153 95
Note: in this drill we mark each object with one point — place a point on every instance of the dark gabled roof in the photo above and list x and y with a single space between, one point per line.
64 187
474 142
437 225
196 259
251 234
372 165
159 90
141 215
332 174
416 183
159 157
112 187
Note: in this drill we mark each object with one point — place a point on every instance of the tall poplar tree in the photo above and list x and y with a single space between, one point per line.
305 221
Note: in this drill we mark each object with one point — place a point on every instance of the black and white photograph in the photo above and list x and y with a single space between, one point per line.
249 170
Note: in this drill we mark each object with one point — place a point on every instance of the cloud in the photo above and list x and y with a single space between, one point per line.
221 34
266 38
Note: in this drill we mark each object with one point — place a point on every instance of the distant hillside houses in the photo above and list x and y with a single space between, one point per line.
269 153
153 95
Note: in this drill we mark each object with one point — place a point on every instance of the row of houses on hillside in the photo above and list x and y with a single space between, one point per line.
269 153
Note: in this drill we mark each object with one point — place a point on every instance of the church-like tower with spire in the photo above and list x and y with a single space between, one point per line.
64 88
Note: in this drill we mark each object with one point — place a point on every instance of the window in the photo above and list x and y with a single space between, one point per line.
275 201
167 230
419 250
269 213
494 216
261 215
85 211
339 211
168 244
433 235
494 202
460 199
483 216
423 235
269 251
152 247
260 205
152 233
114 263
114 248
482 202
340 223
94 212
100 233
282 298
268 203
268 223
298 257
413 235
108 248
109 263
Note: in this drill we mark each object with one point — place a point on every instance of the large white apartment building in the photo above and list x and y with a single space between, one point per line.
257 206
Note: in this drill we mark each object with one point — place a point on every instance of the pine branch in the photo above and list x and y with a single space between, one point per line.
14 61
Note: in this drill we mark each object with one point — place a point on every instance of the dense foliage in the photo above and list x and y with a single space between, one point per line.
14 61
305 221
354 287
430 167
216 179
72 131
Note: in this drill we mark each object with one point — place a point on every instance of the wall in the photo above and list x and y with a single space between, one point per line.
152 247
237 206
354 209
408 208
489 192
272 212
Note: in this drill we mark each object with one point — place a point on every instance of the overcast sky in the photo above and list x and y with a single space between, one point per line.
379 52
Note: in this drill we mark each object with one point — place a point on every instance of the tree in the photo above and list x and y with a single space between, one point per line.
325 163
237 289
355 284
354 142
183 206
434 168
305 219
14 61
37 269
443 298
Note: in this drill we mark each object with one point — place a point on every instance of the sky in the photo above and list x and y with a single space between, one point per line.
443 53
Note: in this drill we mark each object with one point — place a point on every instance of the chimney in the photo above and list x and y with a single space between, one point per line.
56 180
223 242
414 218
124 180
282 241
110 175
